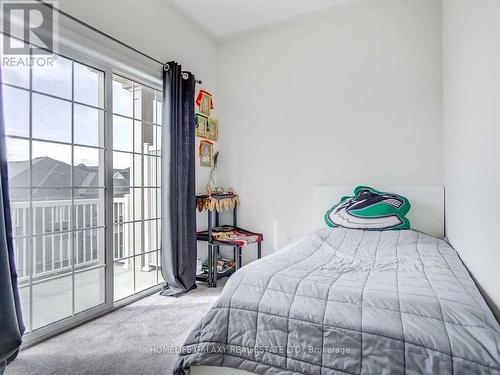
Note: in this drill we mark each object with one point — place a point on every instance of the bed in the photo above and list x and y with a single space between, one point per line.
342 301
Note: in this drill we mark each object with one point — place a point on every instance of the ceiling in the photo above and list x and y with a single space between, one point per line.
225 17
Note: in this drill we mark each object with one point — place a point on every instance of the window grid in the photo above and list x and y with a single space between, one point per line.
54 142
54 96
25 223
55 232
138 221
147 122
145 217
29 236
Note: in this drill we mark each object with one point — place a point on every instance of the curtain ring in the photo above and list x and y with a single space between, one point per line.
185 75
166 67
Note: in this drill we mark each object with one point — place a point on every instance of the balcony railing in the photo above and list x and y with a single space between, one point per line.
52 235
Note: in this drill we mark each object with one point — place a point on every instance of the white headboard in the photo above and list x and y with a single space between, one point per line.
426 213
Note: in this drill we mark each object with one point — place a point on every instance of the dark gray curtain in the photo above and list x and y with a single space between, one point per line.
11 321
178 181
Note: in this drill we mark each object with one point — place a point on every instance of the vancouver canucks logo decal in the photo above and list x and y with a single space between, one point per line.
370 209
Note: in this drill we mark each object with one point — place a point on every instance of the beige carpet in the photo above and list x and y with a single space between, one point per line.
133 340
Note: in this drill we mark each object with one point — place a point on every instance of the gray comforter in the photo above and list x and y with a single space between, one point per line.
350 302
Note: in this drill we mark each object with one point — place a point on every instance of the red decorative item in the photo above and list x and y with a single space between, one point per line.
205 102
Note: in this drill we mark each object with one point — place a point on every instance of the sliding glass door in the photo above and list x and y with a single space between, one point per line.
84 171
54 118
136 180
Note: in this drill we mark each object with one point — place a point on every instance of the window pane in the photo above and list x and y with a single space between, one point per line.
137 203
150 203
150 241
51 164
150 170
18 162
20 211
122 96
88 168
52 301
22 259
89 207
138 137
121 192
51 210
89 85
51 253
145 273
123 279
122 204
138 235
89 248
144 101
158 108
148 134
16 111
122 162
89 289
137 170
18 74
123 134
137 101
131 172
51 119
123 240
89 126
157 142
54 80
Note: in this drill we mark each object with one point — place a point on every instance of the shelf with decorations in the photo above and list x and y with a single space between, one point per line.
215 201
218 235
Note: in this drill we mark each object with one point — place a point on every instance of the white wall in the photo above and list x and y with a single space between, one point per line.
471 62
151 26
351 95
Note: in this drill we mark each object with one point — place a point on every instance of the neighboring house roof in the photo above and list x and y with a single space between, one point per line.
52 180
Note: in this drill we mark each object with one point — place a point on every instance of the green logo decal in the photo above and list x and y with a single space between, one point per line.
370 209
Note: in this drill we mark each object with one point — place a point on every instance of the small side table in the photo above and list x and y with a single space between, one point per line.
232 235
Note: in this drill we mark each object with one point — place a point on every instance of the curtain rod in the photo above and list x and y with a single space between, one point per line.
77 20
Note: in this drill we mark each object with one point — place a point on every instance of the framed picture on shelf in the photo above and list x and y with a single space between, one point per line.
213 129
201 126
206 152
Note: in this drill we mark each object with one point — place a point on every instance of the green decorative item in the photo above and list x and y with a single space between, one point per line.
370 209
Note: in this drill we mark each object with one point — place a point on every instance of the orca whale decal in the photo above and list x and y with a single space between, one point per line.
371 210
